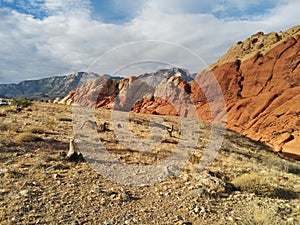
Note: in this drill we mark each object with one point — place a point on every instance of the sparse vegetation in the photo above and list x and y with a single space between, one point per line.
4 127
36 130
255 215
260 185
27 137
20 103
37 179
251 183
3 114
28 109
65 119
9 110
282 164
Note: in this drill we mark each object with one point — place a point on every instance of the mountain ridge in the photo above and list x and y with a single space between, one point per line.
46 88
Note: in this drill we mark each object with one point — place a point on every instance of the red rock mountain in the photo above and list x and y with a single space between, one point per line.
259 78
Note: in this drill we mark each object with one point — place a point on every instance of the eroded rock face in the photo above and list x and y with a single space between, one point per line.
262 92
259 78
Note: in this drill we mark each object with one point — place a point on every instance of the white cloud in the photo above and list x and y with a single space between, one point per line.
67 6
70 40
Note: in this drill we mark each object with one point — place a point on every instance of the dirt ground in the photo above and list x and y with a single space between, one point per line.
243 183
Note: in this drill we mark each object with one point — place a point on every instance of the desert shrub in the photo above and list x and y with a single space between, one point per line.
284 165
258 184
293 168
3 114
28 109
21 103
65 119
36 130
27 137
251 183
4 127
263 215
9 110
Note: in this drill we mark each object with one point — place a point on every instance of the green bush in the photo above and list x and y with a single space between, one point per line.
21 103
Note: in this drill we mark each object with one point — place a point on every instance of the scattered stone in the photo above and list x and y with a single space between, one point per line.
187 223
3 171
57 176
25 193
196 210
103 201
25 209
56 167
3 191
125 197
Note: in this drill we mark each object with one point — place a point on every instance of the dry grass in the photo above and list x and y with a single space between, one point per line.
9 110
263 215
4 127
260 185
36 130
284 165
27 137
3 114
65 119
28 109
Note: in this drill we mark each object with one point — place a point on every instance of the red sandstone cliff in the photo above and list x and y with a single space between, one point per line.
260 79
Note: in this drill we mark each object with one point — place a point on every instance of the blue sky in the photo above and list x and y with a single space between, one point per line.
41 38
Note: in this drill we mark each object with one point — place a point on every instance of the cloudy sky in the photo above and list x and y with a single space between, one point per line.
42 38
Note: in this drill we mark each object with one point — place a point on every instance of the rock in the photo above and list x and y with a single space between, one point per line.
187 223
57 176
3 171
3 191
125 197
25 193
103 201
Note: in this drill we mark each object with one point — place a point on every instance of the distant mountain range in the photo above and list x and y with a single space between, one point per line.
46 88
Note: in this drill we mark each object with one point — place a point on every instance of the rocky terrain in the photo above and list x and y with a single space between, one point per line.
245 183
259 78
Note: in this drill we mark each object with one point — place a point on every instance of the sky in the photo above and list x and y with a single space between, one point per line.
42 38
